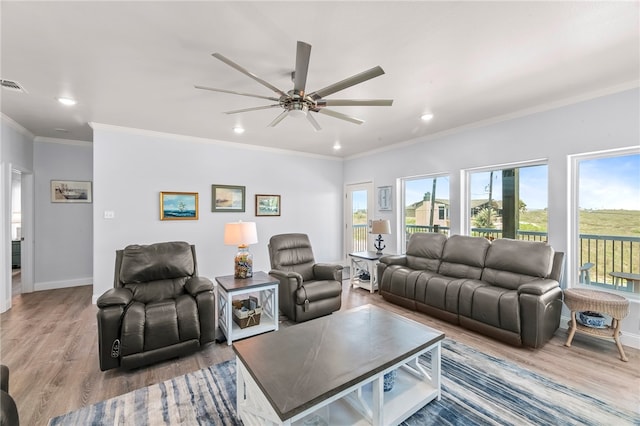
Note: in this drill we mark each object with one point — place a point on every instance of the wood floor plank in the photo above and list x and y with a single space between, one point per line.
49 341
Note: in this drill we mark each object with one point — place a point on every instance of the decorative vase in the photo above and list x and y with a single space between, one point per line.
389 380
243 263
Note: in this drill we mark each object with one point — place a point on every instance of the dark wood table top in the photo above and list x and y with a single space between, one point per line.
302 365
259 279
369 255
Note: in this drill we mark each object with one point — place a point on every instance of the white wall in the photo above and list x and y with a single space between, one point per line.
16 152
64 232
132 167
604 123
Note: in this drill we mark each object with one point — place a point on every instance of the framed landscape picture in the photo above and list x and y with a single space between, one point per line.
70 191
178 206
267 205
227 198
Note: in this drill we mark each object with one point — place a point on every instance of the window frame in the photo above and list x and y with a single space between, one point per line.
573 226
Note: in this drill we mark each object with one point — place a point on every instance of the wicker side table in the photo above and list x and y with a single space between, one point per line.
599 301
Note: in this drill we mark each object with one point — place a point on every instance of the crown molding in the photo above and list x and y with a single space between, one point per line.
14 125
43 139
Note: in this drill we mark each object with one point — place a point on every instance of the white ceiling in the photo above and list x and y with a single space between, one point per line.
134 64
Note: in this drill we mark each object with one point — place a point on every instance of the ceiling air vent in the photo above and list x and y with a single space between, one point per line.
12 85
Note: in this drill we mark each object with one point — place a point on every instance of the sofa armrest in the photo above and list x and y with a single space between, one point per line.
327 271
397 259
287 276
115 297
538 287
4 378
197 285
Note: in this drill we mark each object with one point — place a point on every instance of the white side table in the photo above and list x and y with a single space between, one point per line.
365 261
266 288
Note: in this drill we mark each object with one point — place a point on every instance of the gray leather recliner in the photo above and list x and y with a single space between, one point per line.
158 309
8 410
307 289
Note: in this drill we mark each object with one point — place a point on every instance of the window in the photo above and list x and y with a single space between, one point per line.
425 205
509 202
607 212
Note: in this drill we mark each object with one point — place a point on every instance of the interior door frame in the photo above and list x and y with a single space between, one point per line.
348 222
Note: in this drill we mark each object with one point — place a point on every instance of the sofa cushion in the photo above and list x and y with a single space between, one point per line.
159 261
464 256
425 250
494 306
522 257
438 291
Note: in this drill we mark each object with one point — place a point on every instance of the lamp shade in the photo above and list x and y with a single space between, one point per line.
240 233
381 226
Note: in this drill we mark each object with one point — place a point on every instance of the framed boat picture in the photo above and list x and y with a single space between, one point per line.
178 206
71 191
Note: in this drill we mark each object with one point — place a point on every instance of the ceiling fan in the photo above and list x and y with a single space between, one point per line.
297 102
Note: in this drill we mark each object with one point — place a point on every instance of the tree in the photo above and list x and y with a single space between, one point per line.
522 206
483 218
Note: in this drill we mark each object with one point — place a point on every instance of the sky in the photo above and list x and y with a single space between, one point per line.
605 183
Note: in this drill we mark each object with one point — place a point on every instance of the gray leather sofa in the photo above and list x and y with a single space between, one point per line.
506 289
158 309
307 289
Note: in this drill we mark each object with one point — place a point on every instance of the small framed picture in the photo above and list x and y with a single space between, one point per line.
384 198
267 205
70 191
178 206
227 198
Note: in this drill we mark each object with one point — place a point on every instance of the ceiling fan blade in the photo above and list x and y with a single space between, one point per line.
348 82
252 109
340 116
313 122
303 53
247 73
279 118
271 98
354 102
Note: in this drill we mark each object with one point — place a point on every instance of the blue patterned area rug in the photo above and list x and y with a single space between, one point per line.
477 389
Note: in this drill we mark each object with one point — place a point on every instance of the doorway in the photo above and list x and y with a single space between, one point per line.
16 232
358 216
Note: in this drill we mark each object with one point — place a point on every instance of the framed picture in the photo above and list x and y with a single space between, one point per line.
267 205
384 198
70 191
178 206
227 198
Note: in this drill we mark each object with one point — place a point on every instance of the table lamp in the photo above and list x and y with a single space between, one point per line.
381 226
241 234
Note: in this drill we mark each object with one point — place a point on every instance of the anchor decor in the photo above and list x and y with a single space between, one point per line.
381 226
378 244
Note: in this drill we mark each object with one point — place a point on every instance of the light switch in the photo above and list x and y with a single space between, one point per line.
109 214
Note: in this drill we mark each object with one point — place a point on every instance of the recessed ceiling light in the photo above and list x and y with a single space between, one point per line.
67 101
426 117
337 146
238 129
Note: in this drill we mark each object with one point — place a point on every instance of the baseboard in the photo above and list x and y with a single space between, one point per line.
52 285
627 339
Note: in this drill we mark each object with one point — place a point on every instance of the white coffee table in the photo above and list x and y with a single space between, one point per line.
330 370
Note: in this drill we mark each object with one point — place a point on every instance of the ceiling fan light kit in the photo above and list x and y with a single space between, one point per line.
296 102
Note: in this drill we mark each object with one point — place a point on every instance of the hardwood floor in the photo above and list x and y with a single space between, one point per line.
49 341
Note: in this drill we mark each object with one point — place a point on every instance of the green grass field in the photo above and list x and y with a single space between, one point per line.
597 222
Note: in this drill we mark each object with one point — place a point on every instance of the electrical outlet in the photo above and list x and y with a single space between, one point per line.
109 214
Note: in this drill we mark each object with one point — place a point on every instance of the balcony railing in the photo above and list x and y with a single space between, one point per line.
605 253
